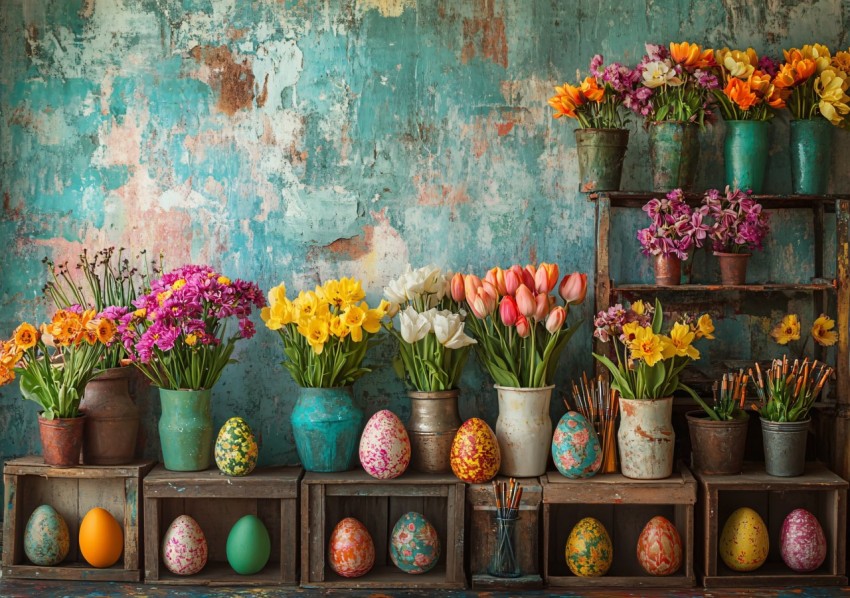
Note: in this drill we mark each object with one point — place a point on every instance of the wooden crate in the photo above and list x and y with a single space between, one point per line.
72 491
327 498
624 506
820 491
216 502
482 536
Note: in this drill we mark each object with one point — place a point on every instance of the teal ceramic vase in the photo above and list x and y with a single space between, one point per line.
673 155
326 425
811 155
600 158
186 429
745 150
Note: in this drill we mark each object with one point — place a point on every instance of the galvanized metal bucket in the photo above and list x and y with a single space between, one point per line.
784 447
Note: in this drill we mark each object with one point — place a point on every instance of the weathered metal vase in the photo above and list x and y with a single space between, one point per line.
733 267
524 430
186 429
717 447
745 150
326 425
646 438
112 419
668 271
784 447
811 155
601 153
61 440
434 421
673 155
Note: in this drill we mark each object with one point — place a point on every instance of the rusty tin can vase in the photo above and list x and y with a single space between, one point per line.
601 153
717 447
673 155
668 271
434 421
646 438
733 267
112 419
61 440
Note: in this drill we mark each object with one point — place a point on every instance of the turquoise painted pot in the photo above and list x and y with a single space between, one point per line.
673 155
186 429
326 425
745 150
811 155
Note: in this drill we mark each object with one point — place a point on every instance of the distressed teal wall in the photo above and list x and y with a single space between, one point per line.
298 141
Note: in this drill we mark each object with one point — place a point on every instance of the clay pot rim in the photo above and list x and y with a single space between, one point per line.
726 254
700 417
622 398
434 394
60 419
122 371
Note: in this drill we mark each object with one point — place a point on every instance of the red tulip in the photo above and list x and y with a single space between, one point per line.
525 301
542 307
496 277
522 326
512 282
458 290
508 310
573 288
556 319
528 274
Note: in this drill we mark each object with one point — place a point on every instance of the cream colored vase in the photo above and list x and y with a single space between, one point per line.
524 430
646 438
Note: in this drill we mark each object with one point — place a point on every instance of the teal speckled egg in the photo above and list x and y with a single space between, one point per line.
575 447
46 540
414 545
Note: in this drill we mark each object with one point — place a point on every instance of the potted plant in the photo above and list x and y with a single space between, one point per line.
817 86
675 230
326 334
786 394
646 375
521 333
178 338
432 351
675 101
748 99
740 226
719 431
596 104
54 365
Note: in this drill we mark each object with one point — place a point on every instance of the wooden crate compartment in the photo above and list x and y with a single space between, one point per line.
72 491
216 502
326 498
819 491
481 539
624 506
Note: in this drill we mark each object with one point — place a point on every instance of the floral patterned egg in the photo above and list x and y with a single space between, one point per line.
803 544
475 456
351 552
575 447
184 546
659 547
744 542
384 446
46 539
235 448
589 550
414 545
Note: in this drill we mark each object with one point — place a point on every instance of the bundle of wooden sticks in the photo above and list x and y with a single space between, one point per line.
508 496
599 404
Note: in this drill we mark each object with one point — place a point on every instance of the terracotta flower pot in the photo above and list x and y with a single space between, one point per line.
61 440
112 419
717 446
733 267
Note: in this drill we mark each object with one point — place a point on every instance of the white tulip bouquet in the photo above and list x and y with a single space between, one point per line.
433 346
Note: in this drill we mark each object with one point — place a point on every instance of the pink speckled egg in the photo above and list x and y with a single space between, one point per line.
802 544
384 446
184 546
351 552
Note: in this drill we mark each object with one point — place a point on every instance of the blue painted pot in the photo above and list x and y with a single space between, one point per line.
326 425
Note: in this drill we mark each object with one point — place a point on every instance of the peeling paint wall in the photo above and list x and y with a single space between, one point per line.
303 140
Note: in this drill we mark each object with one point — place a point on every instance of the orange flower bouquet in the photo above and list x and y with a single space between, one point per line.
748 89
816 83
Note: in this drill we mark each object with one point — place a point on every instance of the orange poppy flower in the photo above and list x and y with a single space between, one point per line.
566 100
591 90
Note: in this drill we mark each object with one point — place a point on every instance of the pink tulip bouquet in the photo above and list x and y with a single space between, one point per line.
520 327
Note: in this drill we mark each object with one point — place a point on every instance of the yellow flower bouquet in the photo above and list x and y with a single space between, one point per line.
817 83
789 332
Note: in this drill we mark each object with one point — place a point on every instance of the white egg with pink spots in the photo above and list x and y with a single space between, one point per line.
384 446
803 544
184 546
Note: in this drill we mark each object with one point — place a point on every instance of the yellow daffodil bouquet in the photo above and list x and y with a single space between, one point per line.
788 332
649 362
325 332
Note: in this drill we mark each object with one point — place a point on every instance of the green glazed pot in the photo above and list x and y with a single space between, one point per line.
186 429
600 158
673 154
745 150
811 155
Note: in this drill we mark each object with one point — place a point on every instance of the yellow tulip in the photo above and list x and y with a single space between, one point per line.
353 318
819 54
316 332
338 328
831 86
680 342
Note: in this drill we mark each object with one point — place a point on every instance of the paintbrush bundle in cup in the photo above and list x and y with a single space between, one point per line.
508 496
599 404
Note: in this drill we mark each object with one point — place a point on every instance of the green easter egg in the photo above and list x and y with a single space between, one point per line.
248 545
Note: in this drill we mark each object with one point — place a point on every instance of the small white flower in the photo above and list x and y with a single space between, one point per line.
414 326
448 328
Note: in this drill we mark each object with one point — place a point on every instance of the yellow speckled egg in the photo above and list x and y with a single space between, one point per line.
744 543
475 455
235 448
589 551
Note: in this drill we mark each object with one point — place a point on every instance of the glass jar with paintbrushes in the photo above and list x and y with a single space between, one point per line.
505 561
598 405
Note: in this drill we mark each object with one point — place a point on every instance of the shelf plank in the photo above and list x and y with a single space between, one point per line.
714 288
636 199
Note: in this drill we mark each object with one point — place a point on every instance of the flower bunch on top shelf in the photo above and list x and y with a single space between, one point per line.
816 83
740 224
675 227
748 89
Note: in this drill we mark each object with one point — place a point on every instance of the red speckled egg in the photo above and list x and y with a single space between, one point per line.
803 544
475 455
384 446
351 552
659 547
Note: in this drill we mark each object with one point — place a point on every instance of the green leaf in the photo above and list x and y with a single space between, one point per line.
621 382
655 378
657 318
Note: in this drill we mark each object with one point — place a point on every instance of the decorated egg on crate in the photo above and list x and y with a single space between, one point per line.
248 545
101 538
414 544
744 542
235 448
184 546
351 552
475 457
384 446
589 551
575 447
46 539
802 543
659 547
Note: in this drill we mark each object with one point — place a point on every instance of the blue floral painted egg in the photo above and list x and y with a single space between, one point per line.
414 545
575 447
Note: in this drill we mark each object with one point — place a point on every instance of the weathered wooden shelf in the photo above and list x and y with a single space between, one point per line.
637 199
717 288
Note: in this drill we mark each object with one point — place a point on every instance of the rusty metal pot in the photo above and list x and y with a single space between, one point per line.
61 440
668 271
434 421
733 267
717 447
112 421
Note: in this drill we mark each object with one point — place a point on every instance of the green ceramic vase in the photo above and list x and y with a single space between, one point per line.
186 429
673 155
811 155
745 151
600 158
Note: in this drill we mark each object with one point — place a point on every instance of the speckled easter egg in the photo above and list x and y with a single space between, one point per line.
575 447
803 544
46 539
184 546
235 448
659 547
744 542
414 545
475 457
351 552
589 551
384 446
101 538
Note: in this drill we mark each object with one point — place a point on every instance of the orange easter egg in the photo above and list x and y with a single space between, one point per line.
101 538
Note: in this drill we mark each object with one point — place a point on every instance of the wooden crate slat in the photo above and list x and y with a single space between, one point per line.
34 465
265 482
616 488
